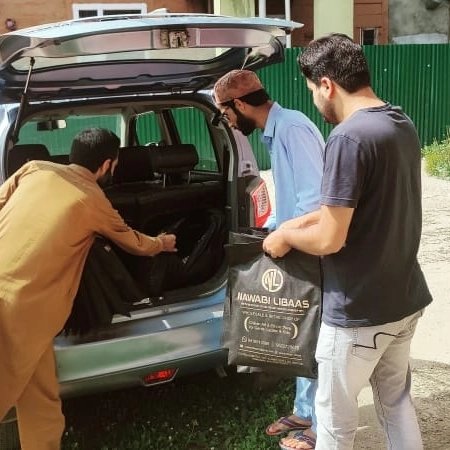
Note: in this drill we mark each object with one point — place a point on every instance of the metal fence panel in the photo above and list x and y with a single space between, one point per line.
414 77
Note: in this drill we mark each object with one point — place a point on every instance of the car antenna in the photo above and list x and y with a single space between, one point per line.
23 103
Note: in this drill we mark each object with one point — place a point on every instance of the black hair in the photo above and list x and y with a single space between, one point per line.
93 146
338 58
256 98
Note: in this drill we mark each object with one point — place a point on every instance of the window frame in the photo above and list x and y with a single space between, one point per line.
101 7
376 32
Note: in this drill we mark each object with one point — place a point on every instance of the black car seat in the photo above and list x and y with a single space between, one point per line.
176 193
22 153
174 162
132 175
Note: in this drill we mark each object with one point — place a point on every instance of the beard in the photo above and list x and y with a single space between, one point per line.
106 179
244 124
328 112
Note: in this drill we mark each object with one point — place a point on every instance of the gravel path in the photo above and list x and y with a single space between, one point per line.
430 351
436 221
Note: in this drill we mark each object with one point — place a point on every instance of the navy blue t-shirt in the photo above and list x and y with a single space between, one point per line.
372 164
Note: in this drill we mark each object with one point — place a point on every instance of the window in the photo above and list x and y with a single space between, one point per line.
147 129
368 36
83 10
193 129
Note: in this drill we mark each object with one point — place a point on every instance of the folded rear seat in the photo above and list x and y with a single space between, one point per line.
140 196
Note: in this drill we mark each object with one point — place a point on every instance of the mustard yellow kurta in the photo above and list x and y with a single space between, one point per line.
49 216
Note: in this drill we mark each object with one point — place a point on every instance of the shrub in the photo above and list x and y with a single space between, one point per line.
437 158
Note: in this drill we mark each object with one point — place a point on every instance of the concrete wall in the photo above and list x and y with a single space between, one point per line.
333 16
411 22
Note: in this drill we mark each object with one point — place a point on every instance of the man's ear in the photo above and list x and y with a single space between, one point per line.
327 87
239 105
105 166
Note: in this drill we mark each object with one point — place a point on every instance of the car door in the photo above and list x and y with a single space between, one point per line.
141 54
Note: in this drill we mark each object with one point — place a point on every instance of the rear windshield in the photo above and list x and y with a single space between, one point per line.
59 140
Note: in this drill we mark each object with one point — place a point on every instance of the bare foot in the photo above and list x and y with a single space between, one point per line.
299 440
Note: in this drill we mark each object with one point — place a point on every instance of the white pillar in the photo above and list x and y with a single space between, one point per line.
262 8
287 15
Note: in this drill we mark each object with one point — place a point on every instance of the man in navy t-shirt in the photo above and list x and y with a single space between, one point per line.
368 230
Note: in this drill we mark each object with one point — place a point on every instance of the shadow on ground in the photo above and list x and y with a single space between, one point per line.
431 393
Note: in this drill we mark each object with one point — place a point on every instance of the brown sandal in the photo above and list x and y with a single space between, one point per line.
288 425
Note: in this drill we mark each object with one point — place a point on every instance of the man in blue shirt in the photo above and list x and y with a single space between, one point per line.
296 152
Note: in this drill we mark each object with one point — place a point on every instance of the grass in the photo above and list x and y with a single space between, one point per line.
196 413
437 158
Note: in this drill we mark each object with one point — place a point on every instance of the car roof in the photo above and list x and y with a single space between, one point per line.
135 53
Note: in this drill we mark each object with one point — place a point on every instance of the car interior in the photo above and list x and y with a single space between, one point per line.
160 185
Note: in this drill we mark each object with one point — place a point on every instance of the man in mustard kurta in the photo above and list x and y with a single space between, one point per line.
49 217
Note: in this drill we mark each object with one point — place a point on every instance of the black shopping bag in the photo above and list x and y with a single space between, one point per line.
273 308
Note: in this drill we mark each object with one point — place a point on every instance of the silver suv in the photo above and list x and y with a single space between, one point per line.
147 78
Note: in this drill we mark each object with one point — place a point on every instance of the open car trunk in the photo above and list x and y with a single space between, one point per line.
156 192
116 282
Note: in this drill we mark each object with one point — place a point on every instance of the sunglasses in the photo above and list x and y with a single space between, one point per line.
247 98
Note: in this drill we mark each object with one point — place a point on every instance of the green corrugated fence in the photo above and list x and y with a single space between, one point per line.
414 77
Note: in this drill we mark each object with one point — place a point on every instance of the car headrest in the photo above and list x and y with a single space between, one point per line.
134 165
173 158
22 153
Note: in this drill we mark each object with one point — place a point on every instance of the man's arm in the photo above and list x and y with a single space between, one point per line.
110 224
303 221
325 237
304 150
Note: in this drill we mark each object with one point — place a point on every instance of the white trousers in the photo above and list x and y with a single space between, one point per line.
350 358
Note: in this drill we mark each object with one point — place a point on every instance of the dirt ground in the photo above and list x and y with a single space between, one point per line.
430 350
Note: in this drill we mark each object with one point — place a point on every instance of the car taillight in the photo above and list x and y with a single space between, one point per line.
161 376
261 204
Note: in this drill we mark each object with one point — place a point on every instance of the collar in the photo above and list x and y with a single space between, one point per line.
83 172
269 129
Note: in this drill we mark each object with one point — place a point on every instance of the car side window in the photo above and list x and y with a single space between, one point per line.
148 130
193 129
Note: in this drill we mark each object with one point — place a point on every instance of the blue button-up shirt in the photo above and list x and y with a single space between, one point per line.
296 149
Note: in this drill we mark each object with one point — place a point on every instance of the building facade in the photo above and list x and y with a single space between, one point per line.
28 13
367 21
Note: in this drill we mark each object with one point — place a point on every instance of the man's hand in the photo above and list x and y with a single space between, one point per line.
169 241
275 245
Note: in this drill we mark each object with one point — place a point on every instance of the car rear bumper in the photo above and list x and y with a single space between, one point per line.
183 337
